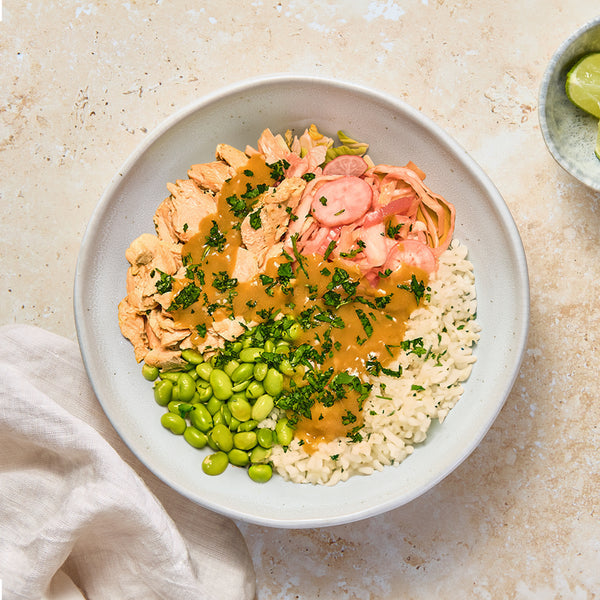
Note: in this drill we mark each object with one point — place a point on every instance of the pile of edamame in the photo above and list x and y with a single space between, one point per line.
220 402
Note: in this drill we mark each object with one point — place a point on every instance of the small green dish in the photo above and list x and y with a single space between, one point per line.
569 132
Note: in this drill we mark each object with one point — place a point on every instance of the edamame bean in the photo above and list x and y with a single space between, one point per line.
269 346
173 422
226 415
149 372
172 376
204 370
211 442
293 333
222 437
204 393
262 407
260 473
259 454
238 457
240 408
215 464
194 437
221 384
260 371
247 425
236 347
230 367
273 382
213 405
163 391
255 390
250 355
192 356
200 418
186 387
179 408
242 373
218 418
285 434
282 348
285 366
240 387
264 437
245 440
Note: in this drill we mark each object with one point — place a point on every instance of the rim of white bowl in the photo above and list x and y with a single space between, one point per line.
428 124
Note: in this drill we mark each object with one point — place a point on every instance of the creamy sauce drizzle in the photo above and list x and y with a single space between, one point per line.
362 331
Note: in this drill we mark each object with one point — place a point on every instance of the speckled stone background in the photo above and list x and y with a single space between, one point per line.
82 83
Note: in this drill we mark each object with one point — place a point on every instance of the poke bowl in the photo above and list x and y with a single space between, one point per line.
248 121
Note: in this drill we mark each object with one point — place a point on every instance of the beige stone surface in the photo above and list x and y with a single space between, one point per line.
83 81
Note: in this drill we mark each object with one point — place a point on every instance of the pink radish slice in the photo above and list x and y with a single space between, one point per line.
346 164
341 201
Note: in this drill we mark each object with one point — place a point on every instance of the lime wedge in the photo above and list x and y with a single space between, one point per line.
583 84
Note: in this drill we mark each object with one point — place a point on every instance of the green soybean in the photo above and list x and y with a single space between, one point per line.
269 346
250 355
284 432
247 425
173 422
262 407
242 385
260 473
285 366
265 437
179 408
255 390
221 384
273 382
242 373
194 437
204 370
172 376
200 418
186 387
222 437
259 454
204 393
238 457
294 332
149 372
163 392
240 408
211 442
215 464
213 405
231 366
218 418
245 440
260 371
192 356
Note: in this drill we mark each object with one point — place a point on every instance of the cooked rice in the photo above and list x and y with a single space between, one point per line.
399 411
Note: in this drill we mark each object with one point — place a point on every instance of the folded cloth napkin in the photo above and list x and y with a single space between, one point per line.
73 497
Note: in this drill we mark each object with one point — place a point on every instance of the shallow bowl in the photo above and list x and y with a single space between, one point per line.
569 132
397 133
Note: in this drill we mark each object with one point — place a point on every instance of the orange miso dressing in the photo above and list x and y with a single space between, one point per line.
361 331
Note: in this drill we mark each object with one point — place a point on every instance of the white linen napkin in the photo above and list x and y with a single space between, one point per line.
73 497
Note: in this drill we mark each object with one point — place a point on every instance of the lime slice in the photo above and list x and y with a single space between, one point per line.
583 84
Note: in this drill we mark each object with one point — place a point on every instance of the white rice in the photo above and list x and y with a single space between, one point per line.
399 411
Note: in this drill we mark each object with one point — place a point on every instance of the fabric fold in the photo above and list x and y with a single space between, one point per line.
74 497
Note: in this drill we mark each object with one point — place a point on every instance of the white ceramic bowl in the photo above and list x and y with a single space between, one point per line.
397 133
569 132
